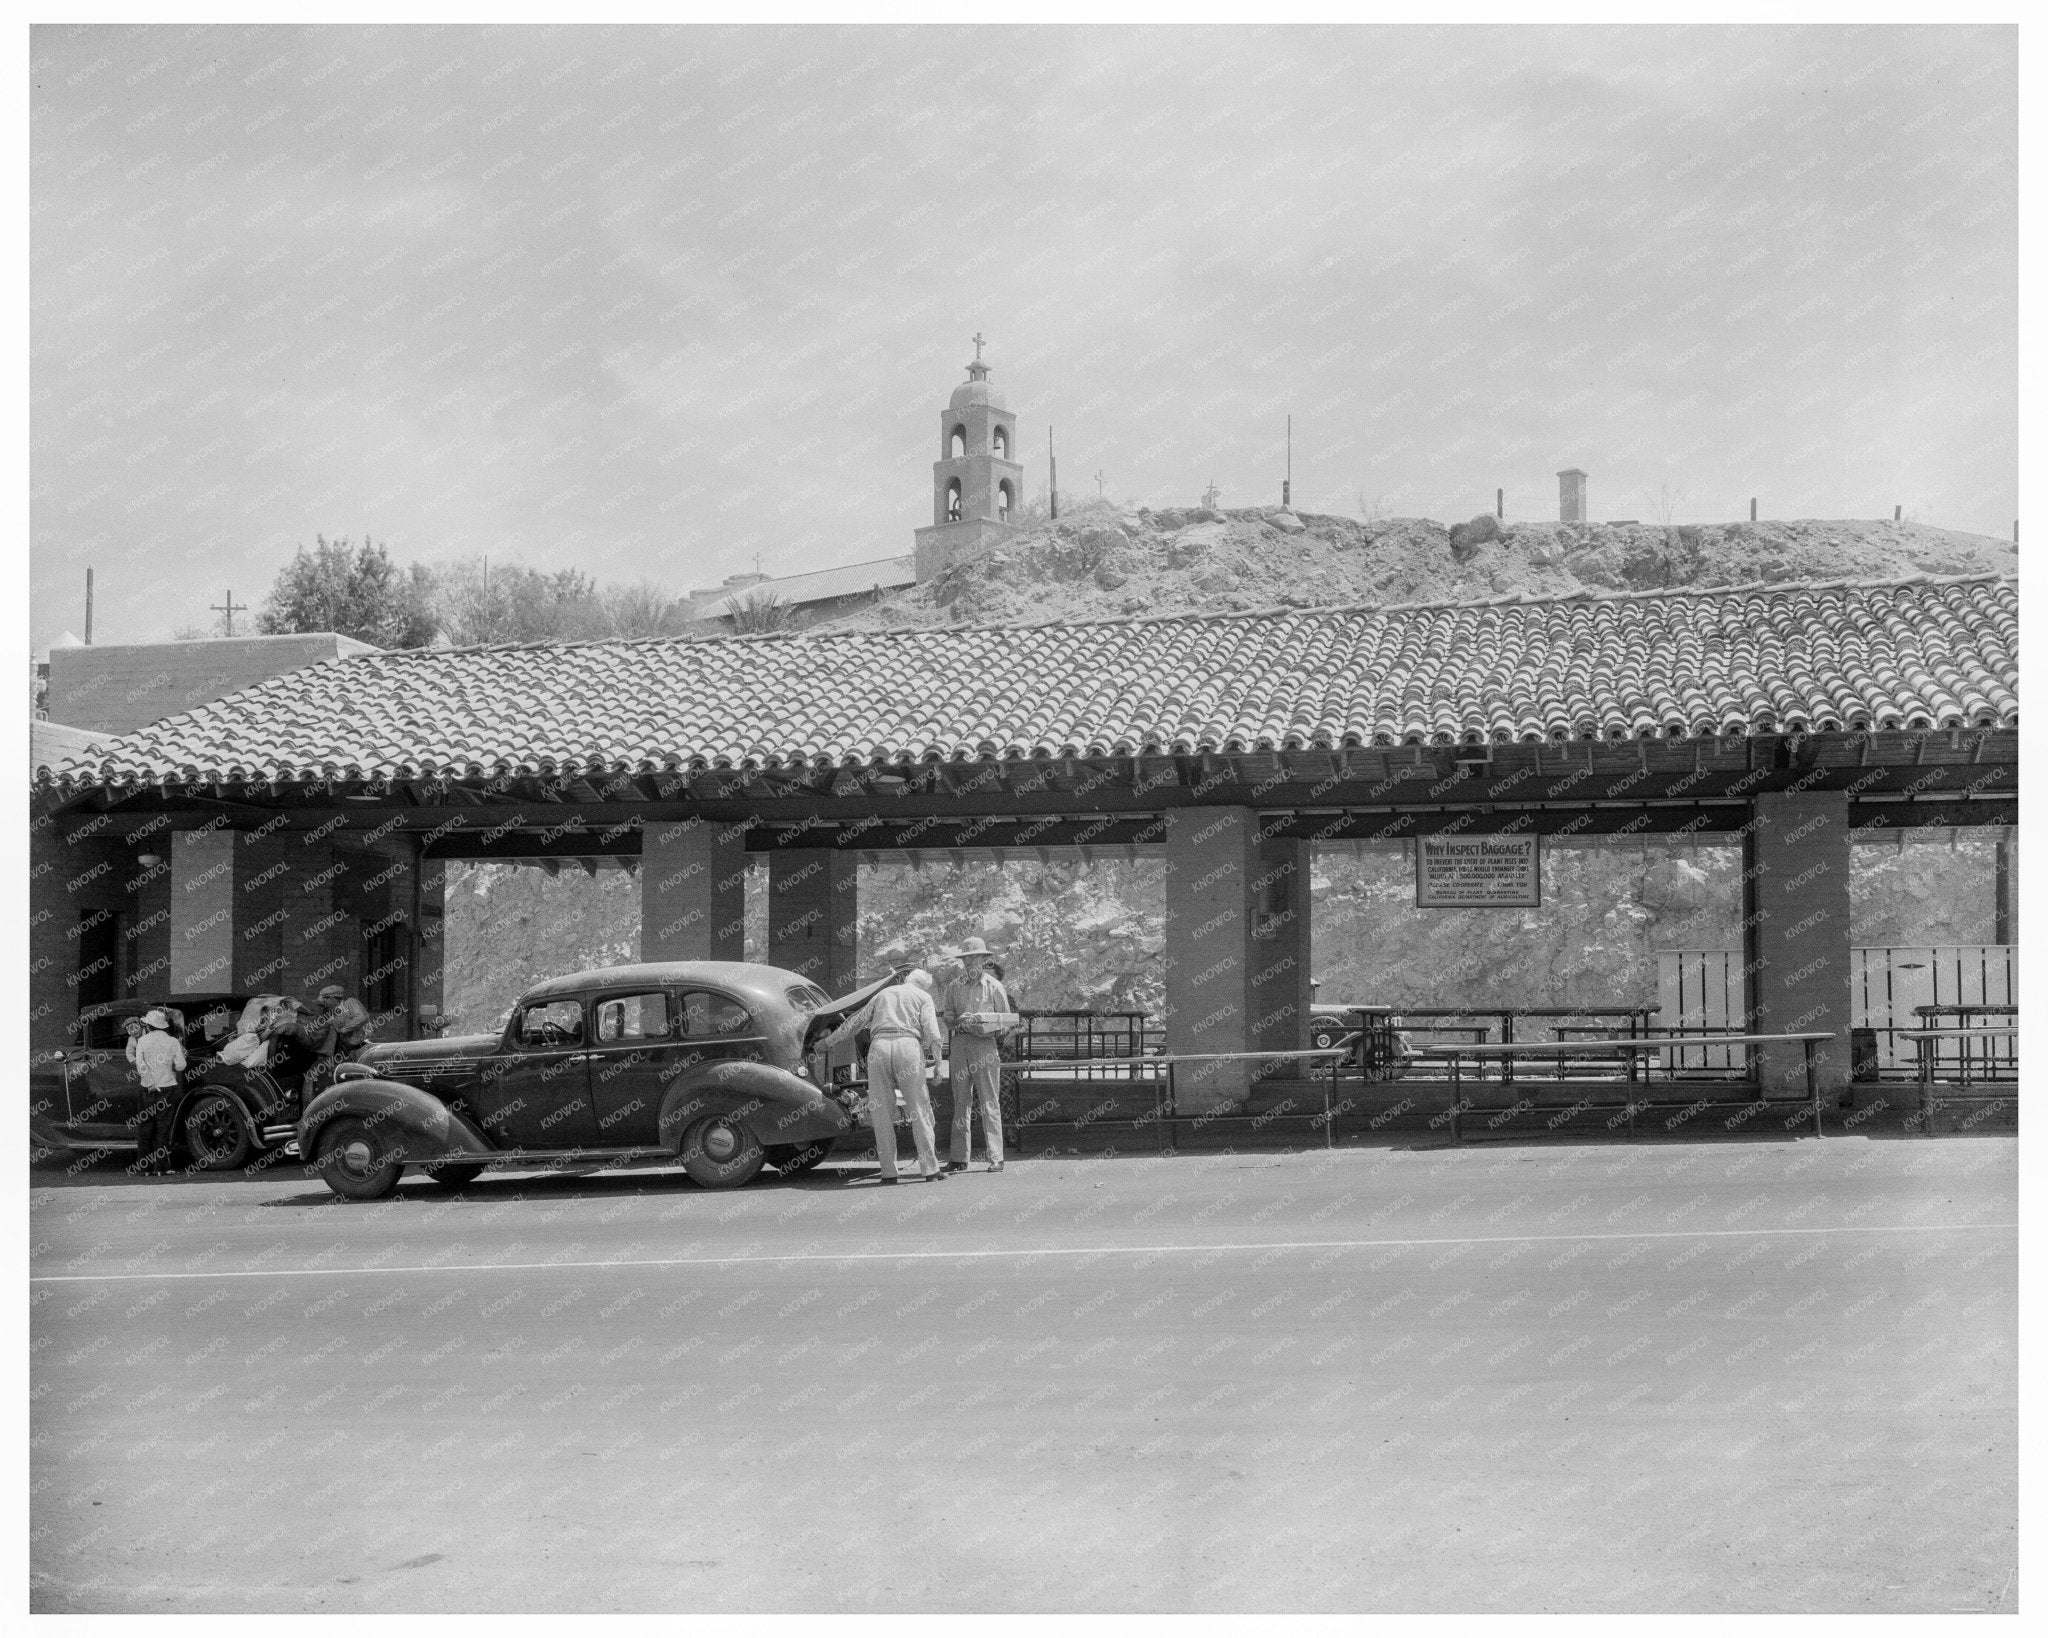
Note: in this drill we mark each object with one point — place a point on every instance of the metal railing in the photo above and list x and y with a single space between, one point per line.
1077 1041
1627 1047
1162 1074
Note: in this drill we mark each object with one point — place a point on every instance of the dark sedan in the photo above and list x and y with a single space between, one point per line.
714 1063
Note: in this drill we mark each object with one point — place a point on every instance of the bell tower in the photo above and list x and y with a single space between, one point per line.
977 481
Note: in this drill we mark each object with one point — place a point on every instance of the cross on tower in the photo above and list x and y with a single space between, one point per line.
977 346
230 608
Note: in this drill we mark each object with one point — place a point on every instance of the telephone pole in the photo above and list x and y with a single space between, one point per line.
1287 483
228 609
1053 462
88 608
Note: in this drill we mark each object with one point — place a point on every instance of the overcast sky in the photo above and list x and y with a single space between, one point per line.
650 302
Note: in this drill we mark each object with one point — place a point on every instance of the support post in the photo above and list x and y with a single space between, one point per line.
693 882
813 908
1212 858
1796 936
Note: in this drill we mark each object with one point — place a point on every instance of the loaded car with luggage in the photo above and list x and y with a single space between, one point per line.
242 1089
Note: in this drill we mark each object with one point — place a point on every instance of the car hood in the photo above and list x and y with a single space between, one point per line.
400 1054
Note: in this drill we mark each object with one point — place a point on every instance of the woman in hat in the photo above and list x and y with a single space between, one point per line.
977 1012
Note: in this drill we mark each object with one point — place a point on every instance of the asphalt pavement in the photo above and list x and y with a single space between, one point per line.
1755 1375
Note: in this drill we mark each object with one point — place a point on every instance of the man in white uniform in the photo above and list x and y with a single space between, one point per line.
975 1003
903 1036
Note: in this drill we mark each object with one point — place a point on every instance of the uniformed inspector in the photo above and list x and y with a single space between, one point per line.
976 1009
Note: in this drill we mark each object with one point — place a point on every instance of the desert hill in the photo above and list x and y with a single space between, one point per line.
1101 561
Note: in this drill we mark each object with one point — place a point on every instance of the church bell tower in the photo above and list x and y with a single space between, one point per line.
977 481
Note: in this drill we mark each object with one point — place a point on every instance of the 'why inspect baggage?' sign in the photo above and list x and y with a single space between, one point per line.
1477 872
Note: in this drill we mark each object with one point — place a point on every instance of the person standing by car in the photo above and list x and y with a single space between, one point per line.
903 1036
159 1061
974 1002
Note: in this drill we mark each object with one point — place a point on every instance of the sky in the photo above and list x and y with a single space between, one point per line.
660 303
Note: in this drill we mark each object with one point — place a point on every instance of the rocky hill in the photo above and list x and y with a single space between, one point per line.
1100 561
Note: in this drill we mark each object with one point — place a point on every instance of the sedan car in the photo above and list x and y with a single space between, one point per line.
716 1063
84 1097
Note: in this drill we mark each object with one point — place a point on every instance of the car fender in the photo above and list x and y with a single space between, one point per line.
775 1105
235 1086
427 1129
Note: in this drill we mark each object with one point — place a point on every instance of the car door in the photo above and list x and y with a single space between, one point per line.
534 1093
636 1052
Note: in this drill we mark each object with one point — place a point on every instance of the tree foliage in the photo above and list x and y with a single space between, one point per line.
357 591
476 601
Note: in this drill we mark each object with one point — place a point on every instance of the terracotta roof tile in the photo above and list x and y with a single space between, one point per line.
1740 660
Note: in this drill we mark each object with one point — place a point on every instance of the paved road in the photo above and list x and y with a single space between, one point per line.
1731 1376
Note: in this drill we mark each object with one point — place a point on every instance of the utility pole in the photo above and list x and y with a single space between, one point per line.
1098 483
1287 483
1752 509
1053 461
88 606
228 609
1500 503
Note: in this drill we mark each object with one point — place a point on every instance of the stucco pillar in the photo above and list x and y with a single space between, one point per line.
1796 935
202 912
1212 858
1280 950
429 946
693 877
813 905
2005 892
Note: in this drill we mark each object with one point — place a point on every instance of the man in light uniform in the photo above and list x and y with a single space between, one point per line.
903 1036
972 999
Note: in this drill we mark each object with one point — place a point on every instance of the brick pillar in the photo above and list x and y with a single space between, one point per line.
693 891
1212 858
813 904
263 901
202 912
1796 934
1280 950
429 947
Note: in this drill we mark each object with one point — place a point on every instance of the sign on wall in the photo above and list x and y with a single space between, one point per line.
1477 872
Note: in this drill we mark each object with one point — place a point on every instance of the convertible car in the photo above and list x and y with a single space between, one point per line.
716 1063
84 1096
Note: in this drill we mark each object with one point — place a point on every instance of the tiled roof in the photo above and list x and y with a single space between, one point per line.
1742 660
822 585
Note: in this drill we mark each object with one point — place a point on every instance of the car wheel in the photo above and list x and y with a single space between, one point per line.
1324 1039
720 1153
217 1132
357 1160
790 1159
454 1176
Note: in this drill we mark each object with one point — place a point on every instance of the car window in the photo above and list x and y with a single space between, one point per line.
632 1018
806 998
706 1012
551 1024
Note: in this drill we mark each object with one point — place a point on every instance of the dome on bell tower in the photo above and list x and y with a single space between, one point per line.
976 390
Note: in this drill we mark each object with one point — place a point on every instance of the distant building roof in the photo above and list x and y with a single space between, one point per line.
820 586
52 744
1762 659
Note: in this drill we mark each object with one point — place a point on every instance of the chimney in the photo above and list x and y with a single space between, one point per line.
1571 496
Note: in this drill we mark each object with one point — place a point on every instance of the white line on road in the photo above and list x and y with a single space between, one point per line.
1023 1253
